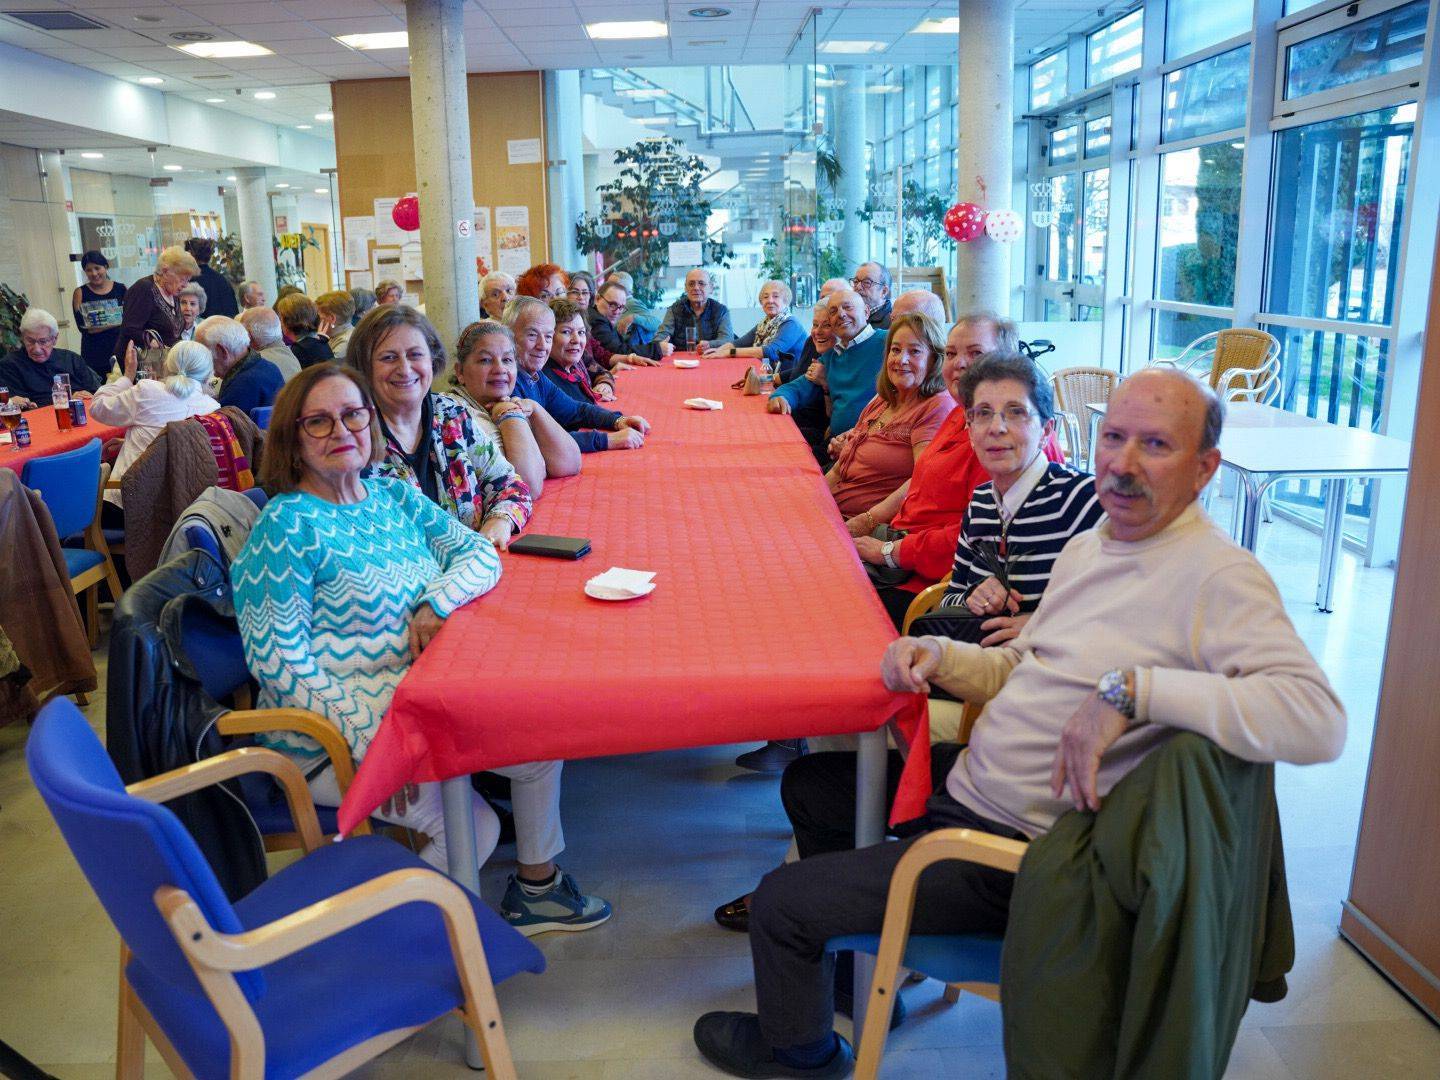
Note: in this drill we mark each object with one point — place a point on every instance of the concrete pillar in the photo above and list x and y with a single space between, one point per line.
565 171
849 144
987 121
252 201
441 109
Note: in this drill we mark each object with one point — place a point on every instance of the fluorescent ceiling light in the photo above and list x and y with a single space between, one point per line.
322 191
853 46
282 185
92 155
303 127
627 31
264 95
173 168
214 101
223 50
150 80
938 26
390 39
325 116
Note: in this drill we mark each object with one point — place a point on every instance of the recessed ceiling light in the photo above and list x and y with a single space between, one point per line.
150 80
92 155
303 127
623 31
214 101
223 50
264 95
938 26
390 39
322 191
853 46
173 168
708 12
325 117
282 185
148 18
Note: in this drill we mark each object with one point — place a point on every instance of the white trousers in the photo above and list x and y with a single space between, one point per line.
535 796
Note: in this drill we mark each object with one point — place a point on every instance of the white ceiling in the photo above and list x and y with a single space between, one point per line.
500 35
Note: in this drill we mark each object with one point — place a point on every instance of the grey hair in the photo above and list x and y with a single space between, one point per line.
384 285
246 286
176 257
784 290
263 326
36 318
884 273
224 331
1007 336
515 308
193 288
495 277
834 284
624 277
1214 417
188 365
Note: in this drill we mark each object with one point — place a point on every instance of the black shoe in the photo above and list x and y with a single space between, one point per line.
772 757
845 991
735 915
731 1041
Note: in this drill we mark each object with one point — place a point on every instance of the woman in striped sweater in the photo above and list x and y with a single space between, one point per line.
1030 507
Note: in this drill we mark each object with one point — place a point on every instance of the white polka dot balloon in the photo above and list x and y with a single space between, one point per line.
1003 226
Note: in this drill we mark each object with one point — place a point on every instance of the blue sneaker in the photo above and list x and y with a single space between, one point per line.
561 907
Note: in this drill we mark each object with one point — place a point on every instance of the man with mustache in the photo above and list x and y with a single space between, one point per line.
1152 624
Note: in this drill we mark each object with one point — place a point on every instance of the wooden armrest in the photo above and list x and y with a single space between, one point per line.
227 766
925 601
113 485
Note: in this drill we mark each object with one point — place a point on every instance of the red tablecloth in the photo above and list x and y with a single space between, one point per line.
762 623
47 439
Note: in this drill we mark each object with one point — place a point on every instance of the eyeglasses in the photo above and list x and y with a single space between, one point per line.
322 425
983 416
28 340
864 282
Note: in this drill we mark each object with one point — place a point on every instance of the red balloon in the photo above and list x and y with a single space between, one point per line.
406 213
964 221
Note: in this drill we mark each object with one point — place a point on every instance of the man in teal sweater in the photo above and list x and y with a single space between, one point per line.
846 374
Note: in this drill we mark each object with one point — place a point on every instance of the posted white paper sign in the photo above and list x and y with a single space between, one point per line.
685 253
523 151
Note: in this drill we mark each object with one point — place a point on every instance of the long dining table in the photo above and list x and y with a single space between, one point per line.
762 624
46 437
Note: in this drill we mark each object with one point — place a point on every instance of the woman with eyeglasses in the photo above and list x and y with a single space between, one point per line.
153 302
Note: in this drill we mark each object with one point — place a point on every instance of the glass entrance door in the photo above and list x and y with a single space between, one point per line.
1070 215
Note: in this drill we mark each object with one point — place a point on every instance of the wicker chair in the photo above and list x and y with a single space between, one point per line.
1076 387
1239 364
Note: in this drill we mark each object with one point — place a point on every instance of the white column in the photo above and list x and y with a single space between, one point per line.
986 122
256 229
445 184
849 145
565 169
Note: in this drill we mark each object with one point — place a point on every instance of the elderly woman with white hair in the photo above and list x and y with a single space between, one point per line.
496 290
777 339
192 302
29 371
144 408
152 305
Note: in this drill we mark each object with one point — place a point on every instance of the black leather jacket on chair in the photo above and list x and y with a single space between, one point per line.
159 717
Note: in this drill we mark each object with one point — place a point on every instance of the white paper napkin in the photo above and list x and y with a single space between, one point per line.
687 363
703 403
623 580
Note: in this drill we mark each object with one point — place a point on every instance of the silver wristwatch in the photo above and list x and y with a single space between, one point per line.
887 552
1115 689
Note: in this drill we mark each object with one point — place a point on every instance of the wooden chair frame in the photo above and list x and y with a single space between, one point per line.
88 581
216 957
927 600
964 844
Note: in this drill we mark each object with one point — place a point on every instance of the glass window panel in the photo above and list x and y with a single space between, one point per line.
912 91
1390 41
934 87
932 174
892 111
932 134
951 120
1335 239
1199 220
907 152
1060 235
1292 6
1095 218
1064 145
1206 97
1192 25
1047 80
1097 137
1114 49
1176 329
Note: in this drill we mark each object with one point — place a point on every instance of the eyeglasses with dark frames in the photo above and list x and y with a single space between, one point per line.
322 425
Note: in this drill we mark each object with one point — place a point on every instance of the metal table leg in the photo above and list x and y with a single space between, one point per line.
869 829
1337 493
1250 519
464 865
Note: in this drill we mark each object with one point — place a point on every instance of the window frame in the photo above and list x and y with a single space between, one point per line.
1318 25
1092 83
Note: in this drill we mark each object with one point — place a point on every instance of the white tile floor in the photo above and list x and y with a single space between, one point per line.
668 836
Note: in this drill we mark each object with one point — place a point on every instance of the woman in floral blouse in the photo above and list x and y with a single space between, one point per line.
431 439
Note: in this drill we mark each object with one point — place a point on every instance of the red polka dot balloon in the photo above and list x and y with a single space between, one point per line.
964 221
406 213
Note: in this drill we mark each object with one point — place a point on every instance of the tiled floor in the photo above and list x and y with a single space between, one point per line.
668 836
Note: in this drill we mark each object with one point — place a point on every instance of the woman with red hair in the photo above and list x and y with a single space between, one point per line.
544 281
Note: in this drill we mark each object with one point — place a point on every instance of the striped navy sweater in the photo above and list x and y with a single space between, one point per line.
1061 505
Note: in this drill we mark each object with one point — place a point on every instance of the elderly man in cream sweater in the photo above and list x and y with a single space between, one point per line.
1154 623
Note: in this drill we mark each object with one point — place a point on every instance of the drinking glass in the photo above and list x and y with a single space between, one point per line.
62 382
692 337
10 416
4 395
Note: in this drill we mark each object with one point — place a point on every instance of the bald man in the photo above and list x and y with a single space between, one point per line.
846 373
920 302
1153 624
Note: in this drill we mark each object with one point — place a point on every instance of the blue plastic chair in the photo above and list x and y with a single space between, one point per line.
71 485
261 415
363 957
961 961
